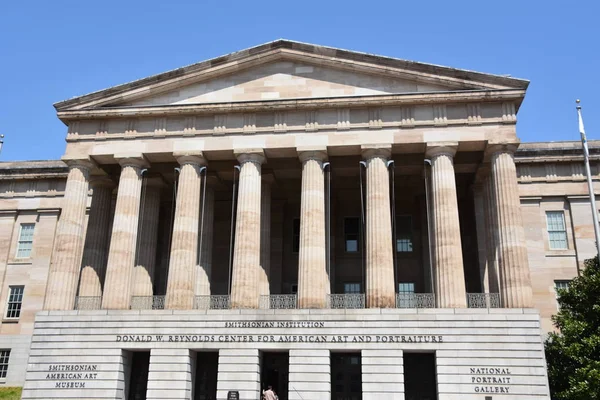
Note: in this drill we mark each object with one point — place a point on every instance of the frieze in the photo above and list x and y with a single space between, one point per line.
280 338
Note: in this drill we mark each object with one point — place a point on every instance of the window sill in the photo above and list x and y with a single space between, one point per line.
10 320
20 261
560 253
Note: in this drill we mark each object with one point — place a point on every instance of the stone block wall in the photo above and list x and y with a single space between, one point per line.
478 351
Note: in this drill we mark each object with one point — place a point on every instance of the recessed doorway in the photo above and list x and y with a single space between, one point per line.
346 376
205 382
419 376
275 367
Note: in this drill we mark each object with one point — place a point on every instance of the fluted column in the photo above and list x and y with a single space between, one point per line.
246 253
491 237
93 265
380 290
264 274
204 268
181 283
121 255
67 254
143 272
449 277
513 265
313 280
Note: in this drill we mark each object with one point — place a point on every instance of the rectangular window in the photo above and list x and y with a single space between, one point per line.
557 233
562 284
406 287
296 236
351 287
294 288
406 297
25 242
4 357
15 300
404 239
351 234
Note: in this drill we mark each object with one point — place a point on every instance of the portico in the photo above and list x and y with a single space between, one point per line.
293 215
321 194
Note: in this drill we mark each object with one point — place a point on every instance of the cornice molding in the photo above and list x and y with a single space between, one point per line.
462 96
289 50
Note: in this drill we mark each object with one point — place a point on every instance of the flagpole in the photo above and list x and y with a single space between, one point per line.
586 156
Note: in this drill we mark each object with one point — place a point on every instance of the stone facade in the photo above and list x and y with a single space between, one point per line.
372 197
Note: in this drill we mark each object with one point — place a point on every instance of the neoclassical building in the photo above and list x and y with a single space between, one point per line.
335 224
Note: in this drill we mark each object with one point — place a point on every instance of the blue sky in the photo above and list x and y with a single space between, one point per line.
55 50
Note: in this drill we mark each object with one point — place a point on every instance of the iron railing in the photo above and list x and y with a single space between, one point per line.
216 302
346 300
88 302
483 300
279 302
415 300
148 303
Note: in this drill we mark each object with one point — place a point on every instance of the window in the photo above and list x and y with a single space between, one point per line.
406 298
4 356
351 234
406 287
15 299
25 241
351 287
296 236
560 285
294 288
404 240
557 234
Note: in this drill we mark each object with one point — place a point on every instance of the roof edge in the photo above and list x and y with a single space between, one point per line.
304 47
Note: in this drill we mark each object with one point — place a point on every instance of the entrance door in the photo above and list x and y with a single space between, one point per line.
205 384
275 372
138 381
419 376
346 377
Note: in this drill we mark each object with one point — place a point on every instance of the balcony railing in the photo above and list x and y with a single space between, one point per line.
217 302
290 301
483 300
415 300
346 300
279 302
148 303
88 302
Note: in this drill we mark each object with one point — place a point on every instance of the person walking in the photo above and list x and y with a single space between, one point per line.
269 394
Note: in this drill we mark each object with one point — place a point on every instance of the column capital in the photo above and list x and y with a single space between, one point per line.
136 160
318 153
369 151
435 149
255 155
86 163
495 148
190 157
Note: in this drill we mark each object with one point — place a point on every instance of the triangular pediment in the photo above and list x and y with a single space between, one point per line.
286 80
284 70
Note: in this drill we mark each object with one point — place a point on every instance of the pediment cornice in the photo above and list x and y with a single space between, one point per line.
453 79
